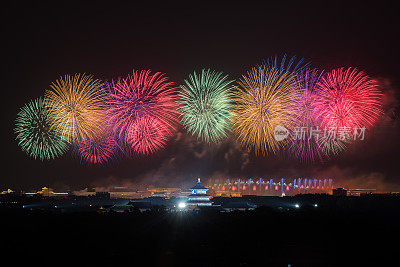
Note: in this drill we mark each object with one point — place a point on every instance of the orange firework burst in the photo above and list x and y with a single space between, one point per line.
266 99
75 107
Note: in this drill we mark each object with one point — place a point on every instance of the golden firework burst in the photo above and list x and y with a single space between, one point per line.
75 106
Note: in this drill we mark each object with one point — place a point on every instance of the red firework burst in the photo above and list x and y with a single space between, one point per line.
142 110
347 98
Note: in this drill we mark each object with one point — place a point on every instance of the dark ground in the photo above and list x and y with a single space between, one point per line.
263 237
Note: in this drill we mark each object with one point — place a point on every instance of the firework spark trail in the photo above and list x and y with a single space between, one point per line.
266 98
141 102
206 105
286 65
75 107
34 134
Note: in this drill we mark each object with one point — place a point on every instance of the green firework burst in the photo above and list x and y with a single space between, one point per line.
33 132
206 105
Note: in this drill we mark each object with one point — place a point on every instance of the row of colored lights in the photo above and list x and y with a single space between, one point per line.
234 188
312 184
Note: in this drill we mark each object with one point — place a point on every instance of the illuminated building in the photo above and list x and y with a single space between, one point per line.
48 192
164 192
84 193
358 191
115 192
127 192
354 192
8 191
199 196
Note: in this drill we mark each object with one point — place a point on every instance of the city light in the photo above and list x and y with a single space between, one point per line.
316 205
182 205
296 206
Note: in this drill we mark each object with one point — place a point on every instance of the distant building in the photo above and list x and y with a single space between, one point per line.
358 191
339 192
8 191
353 192
239 205
127 192
115 192
225 193
164 192
84 193
199 196
48 192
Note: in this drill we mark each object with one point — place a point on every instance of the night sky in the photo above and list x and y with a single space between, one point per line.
43 42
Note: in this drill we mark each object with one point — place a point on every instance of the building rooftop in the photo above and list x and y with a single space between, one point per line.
198 185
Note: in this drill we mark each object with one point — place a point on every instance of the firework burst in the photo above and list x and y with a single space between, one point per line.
266 99
75 107
346 99
143 102
34 134
304 142
147 135
206 105
98 150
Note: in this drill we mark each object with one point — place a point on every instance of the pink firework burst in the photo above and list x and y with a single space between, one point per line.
137 105
347 98
147 135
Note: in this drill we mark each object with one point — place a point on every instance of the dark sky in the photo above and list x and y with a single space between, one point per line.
44 41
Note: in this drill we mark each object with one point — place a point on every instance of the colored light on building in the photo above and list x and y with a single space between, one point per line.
289 187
